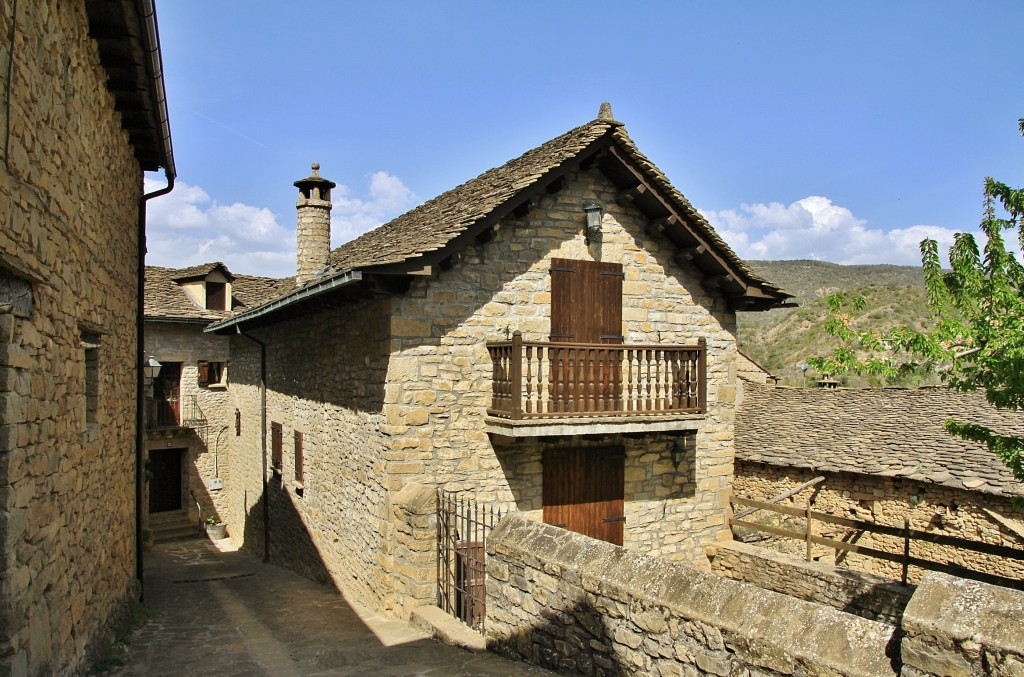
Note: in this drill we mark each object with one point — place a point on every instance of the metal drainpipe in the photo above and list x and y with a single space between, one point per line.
263 439
140 379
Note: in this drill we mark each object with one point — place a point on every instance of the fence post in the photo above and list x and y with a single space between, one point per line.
516 374
808 530
906 548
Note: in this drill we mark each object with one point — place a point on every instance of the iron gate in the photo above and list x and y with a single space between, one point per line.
463 525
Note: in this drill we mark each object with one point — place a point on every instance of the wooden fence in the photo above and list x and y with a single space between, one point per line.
906 534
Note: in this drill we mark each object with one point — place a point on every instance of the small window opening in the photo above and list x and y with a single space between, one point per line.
298 457
276 447
91 356
216 296
211 373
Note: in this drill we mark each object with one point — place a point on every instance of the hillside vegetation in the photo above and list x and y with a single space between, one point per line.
783 338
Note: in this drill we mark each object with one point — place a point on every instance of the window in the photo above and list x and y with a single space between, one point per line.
216 296
298 457
91 354
211 373
238 423
276 444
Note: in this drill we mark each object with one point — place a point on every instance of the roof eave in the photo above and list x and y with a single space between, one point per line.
306 293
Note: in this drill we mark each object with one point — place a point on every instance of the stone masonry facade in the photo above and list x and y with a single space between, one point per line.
69 186
394 391
887 500
207 446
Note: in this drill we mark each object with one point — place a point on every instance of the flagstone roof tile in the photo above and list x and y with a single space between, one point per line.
893 432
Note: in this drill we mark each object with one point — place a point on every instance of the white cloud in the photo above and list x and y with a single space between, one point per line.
815 228
188 227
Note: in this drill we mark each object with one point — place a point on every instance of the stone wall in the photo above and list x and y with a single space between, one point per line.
886 500
70 186
325 379
389 394
439 377
207 447
854 592
955 627
577 605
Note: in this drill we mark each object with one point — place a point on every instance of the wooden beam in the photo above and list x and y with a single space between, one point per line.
523 209
783 496
592 159
486 235
627 196
558 184
662 224
690 253
717 281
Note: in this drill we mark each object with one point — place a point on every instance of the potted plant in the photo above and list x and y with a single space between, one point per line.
215 528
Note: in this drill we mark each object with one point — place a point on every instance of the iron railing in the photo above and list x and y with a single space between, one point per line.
168 413
463 526
537 379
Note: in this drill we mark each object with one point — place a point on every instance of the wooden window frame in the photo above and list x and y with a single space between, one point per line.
211 373
299 470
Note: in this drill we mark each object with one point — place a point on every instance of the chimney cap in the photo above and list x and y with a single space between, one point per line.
314 180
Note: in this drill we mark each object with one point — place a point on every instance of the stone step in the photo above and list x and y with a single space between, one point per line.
177 534
172 525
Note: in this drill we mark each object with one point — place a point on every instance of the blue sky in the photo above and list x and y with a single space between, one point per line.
839 131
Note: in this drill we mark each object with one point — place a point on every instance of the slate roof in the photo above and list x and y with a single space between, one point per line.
166 300
441 221
436 222
892 432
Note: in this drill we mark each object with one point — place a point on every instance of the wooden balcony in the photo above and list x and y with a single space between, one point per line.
544 382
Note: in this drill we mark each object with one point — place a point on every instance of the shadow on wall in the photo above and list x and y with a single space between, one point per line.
291 544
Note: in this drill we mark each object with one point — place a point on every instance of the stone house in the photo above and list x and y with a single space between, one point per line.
188 421
884 455
555 336
84 116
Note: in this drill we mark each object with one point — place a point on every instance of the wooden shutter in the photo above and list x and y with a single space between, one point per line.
204 373
566 299
586 301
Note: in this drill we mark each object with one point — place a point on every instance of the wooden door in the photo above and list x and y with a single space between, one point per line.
165 480
583 491
165 391
586 308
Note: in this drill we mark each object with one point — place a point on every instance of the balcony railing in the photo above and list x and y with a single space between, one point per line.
537 379
165 412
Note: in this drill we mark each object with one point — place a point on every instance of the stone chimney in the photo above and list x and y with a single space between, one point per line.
313 229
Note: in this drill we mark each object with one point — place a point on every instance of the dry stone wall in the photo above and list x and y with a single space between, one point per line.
886 500
854 592
69 186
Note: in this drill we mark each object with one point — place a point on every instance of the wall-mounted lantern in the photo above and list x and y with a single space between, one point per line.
594 216
151 367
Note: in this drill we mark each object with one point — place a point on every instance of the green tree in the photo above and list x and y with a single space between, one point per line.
977 341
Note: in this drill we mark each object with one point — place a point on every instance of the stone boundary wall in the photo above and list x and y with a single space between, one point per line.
574 604
956 627
854 592
885 500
